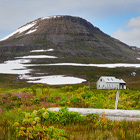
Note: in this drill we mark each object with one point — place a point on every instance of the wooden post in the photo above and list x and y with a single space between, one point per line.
89 85
117 98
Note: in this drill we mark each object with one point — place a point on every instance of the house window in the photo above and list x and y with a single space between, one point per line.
100 79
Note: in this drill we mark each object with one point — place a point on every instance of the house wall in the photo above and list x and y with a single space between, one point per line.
103 85
112 85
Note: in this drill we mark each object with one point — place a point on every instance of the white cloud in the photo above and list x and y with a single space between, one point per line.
130 33
134 23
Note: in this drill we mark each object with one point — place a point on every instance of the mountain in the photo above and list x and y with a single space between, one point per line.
135 49
73 39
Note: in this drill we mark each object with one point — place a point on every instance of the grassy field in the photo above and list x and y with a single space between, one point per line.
72 96
24 114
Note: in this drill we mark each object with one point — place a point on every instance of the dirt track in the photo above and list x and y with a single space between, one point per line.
111 114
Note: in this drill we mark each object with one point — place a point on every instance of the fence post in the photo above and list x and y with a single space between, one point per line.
117 98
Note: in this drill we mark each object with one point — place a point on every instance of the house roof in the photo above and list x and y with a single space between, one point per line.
111 79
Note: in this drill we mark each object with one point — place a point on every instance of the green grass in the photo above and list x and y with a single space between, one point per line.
15 103
71 96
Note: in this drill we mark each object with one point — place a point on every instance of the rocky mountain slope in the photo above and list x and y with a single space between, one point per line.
73 39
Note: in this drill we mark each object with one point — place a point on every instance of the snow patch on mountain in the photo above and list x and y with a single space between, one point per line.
31 31
50 17
37 56
48 50
21 29
115 65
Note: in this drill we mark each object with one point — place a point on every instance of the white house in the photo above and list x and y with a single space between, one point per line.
109 82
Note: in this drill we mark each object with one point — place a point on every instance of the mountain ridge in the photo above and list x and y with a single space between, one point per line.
73 38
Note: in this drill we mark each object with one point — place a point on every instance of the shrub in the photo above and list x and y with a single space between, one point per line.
93 116
68 88
34 90
32 126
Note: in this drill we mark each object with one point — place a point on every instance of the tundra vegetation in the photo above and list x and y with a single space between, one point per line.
24 113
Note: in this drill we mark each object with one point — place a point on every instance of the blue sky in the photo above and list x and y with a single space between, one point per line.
118 18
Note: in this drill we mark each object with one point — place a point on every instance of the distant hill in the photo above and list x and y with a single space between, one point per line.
73 39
